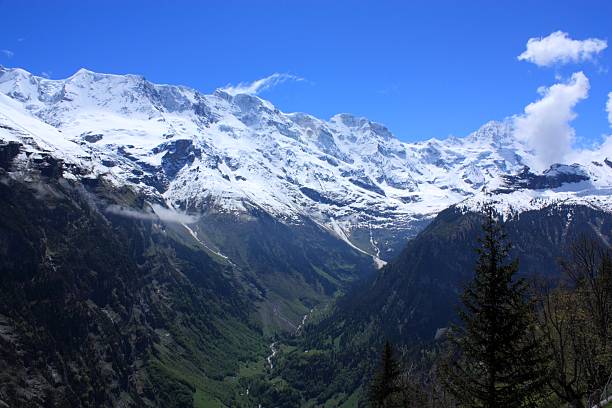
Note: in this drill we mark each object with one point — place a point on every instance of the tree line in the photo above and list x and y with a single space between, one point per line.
520 343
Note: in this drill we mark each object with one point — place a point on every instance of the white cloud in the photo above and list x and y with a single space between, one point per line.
169 215
255 87
609 108
159 213
8 53
559 48
545 125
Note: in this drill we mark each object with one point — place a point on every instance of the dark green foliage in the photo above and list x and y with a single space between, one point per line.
99 307
173 391
385 387
500 362
294 266
417 293
319 373
67 296
270 394
100 310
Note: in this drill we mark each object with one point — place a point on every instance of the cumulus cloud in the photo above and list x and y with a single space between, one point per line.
609 108
545 125
8 53
255 87
559 48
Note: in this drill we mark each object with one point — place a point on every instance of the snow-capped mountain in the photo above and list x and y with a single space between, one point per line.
224 153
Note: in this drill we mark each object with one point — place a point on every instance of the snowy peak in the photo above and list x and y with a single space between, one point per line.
120 94
493 132
362 124
232 153
19 84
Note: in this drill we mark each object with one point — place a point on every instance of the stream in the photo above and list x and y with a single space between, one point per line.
274 350
274 345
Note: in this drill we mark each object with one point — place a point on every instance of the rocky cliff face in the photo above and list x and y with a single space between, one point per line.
230 153
152 236
100 309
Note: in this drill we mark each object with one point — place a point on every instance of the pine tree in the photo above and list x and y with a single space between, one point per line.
500 362
384 386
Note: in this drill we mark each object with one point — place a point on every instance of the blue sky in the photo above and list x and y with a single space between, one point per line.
423 68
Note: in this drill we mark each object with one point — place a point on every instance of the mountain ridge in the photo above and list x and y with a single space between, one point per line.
222 152
275 214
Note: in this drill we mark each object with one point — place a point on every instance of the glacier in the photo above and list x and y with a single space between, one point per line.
221 153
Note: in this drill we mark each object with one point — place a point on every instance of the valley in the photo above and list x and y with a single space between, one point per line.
164 247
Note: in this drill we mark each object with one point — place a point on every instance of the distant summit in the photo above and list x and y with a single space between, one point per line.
230 153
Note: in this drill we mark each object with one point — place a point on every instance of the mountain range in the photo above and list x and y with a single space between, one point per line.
231 153
170 234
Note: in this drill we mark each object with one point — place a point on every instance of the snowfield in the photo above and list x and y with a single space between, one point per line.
233 153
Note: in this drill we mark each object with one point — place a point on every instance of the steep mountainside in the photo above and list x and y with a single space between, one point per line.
231 153
153 239
99 309
412 299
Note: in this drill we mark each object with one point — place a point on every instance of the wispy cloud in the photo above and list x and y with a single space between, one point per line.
8 53
159 213
558 48
257 86
46 74
545 125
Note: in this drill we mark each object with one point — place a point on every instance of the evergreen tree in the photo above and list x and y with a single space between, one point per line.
500 362
384 386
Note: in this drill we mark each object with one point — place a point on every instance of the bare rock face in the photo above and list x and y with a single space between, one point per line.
555 176
8 151
230 153
85 296
49 166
